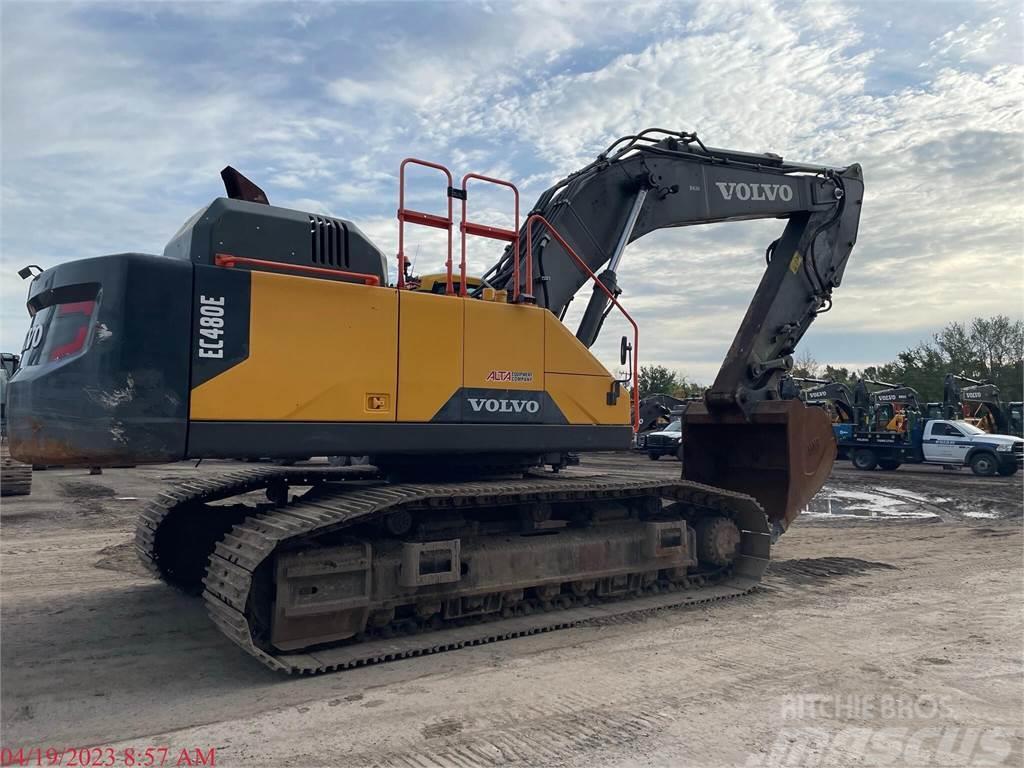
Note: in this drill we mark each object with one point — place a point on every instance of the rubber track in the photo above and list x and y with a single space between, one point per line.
238 555
15 477
227 485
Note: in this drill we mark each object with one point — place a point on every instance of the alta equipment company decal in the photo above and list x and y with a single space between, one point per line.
516 377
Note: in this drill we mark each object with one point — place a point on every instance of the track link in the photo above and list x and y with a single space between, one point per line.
177 501
15 477
252 540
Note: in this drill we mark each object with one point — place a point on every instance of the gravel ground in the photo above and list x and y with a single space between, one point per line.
888 632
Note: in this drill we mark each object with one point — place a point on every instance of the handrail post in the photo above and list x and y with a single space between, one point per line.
425 219
495 233
462 232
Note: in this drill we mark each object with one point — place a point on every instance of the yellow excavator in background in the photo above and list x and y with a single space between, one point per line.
461 392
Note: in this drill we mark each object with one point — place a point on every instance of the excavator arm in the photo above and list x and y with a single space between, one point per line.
744 435
659 179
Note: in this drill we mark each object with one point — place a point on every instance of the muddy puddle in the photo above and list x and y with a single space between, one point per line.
885 503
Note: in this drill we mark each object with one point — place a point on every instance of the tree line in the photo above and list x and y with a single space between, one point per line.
660 380
987 349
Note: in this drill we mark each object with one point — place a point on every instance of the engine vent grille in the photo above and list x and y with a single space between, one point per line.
327 241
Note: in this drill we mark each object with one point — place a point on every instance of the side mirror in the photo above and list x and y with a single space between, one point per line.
624 349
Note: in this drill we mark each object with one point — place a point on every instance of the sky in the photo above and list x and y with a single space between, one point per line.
116 119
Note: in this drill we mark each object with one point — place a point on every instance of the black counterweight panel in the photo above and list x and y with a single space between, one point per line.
129 382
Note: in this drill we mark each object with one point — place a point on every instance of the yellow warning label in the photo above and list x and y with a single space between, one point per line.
795 262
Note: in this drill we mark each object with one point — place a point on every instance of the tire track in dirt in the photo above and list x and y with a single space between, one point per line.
803 570
543 733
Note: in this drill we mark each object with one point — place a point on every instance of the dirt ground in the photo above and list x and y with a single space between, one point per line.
889 631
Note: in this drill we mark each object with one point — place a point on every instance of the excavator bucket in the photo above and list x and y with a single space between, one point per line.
780 455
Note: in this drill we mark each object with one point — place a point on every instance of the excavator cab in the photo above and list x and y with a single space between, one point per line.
436 283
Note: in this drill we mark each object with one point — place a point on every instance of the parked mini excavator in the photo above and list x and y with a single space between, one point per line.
834 396
656 411
461 397
977 403
885 408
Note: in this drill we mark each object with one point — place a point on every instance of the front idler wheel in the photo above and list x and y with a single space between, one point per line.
718 541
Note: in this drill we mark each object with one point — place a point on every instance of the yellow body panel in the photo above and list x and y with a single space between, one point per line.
584 399
323 350
430 353
504 346
577 381
564 353
319 350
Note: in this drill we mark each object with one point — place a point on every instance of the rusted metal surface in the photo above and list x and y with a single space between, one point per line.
32 447
781 455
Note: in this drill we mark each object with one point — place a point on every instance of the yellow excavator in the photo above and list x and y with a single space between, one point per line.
469 395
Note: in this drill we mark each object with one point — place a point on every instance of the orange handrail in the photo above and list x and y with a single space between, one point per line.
425 219
227 260
495 233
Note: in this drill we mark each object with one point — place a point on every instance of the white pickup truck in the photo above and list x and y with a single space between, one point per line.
936 441
665 442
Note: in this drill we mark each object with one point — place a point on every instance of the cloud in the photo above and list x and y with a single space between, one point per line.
117 120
